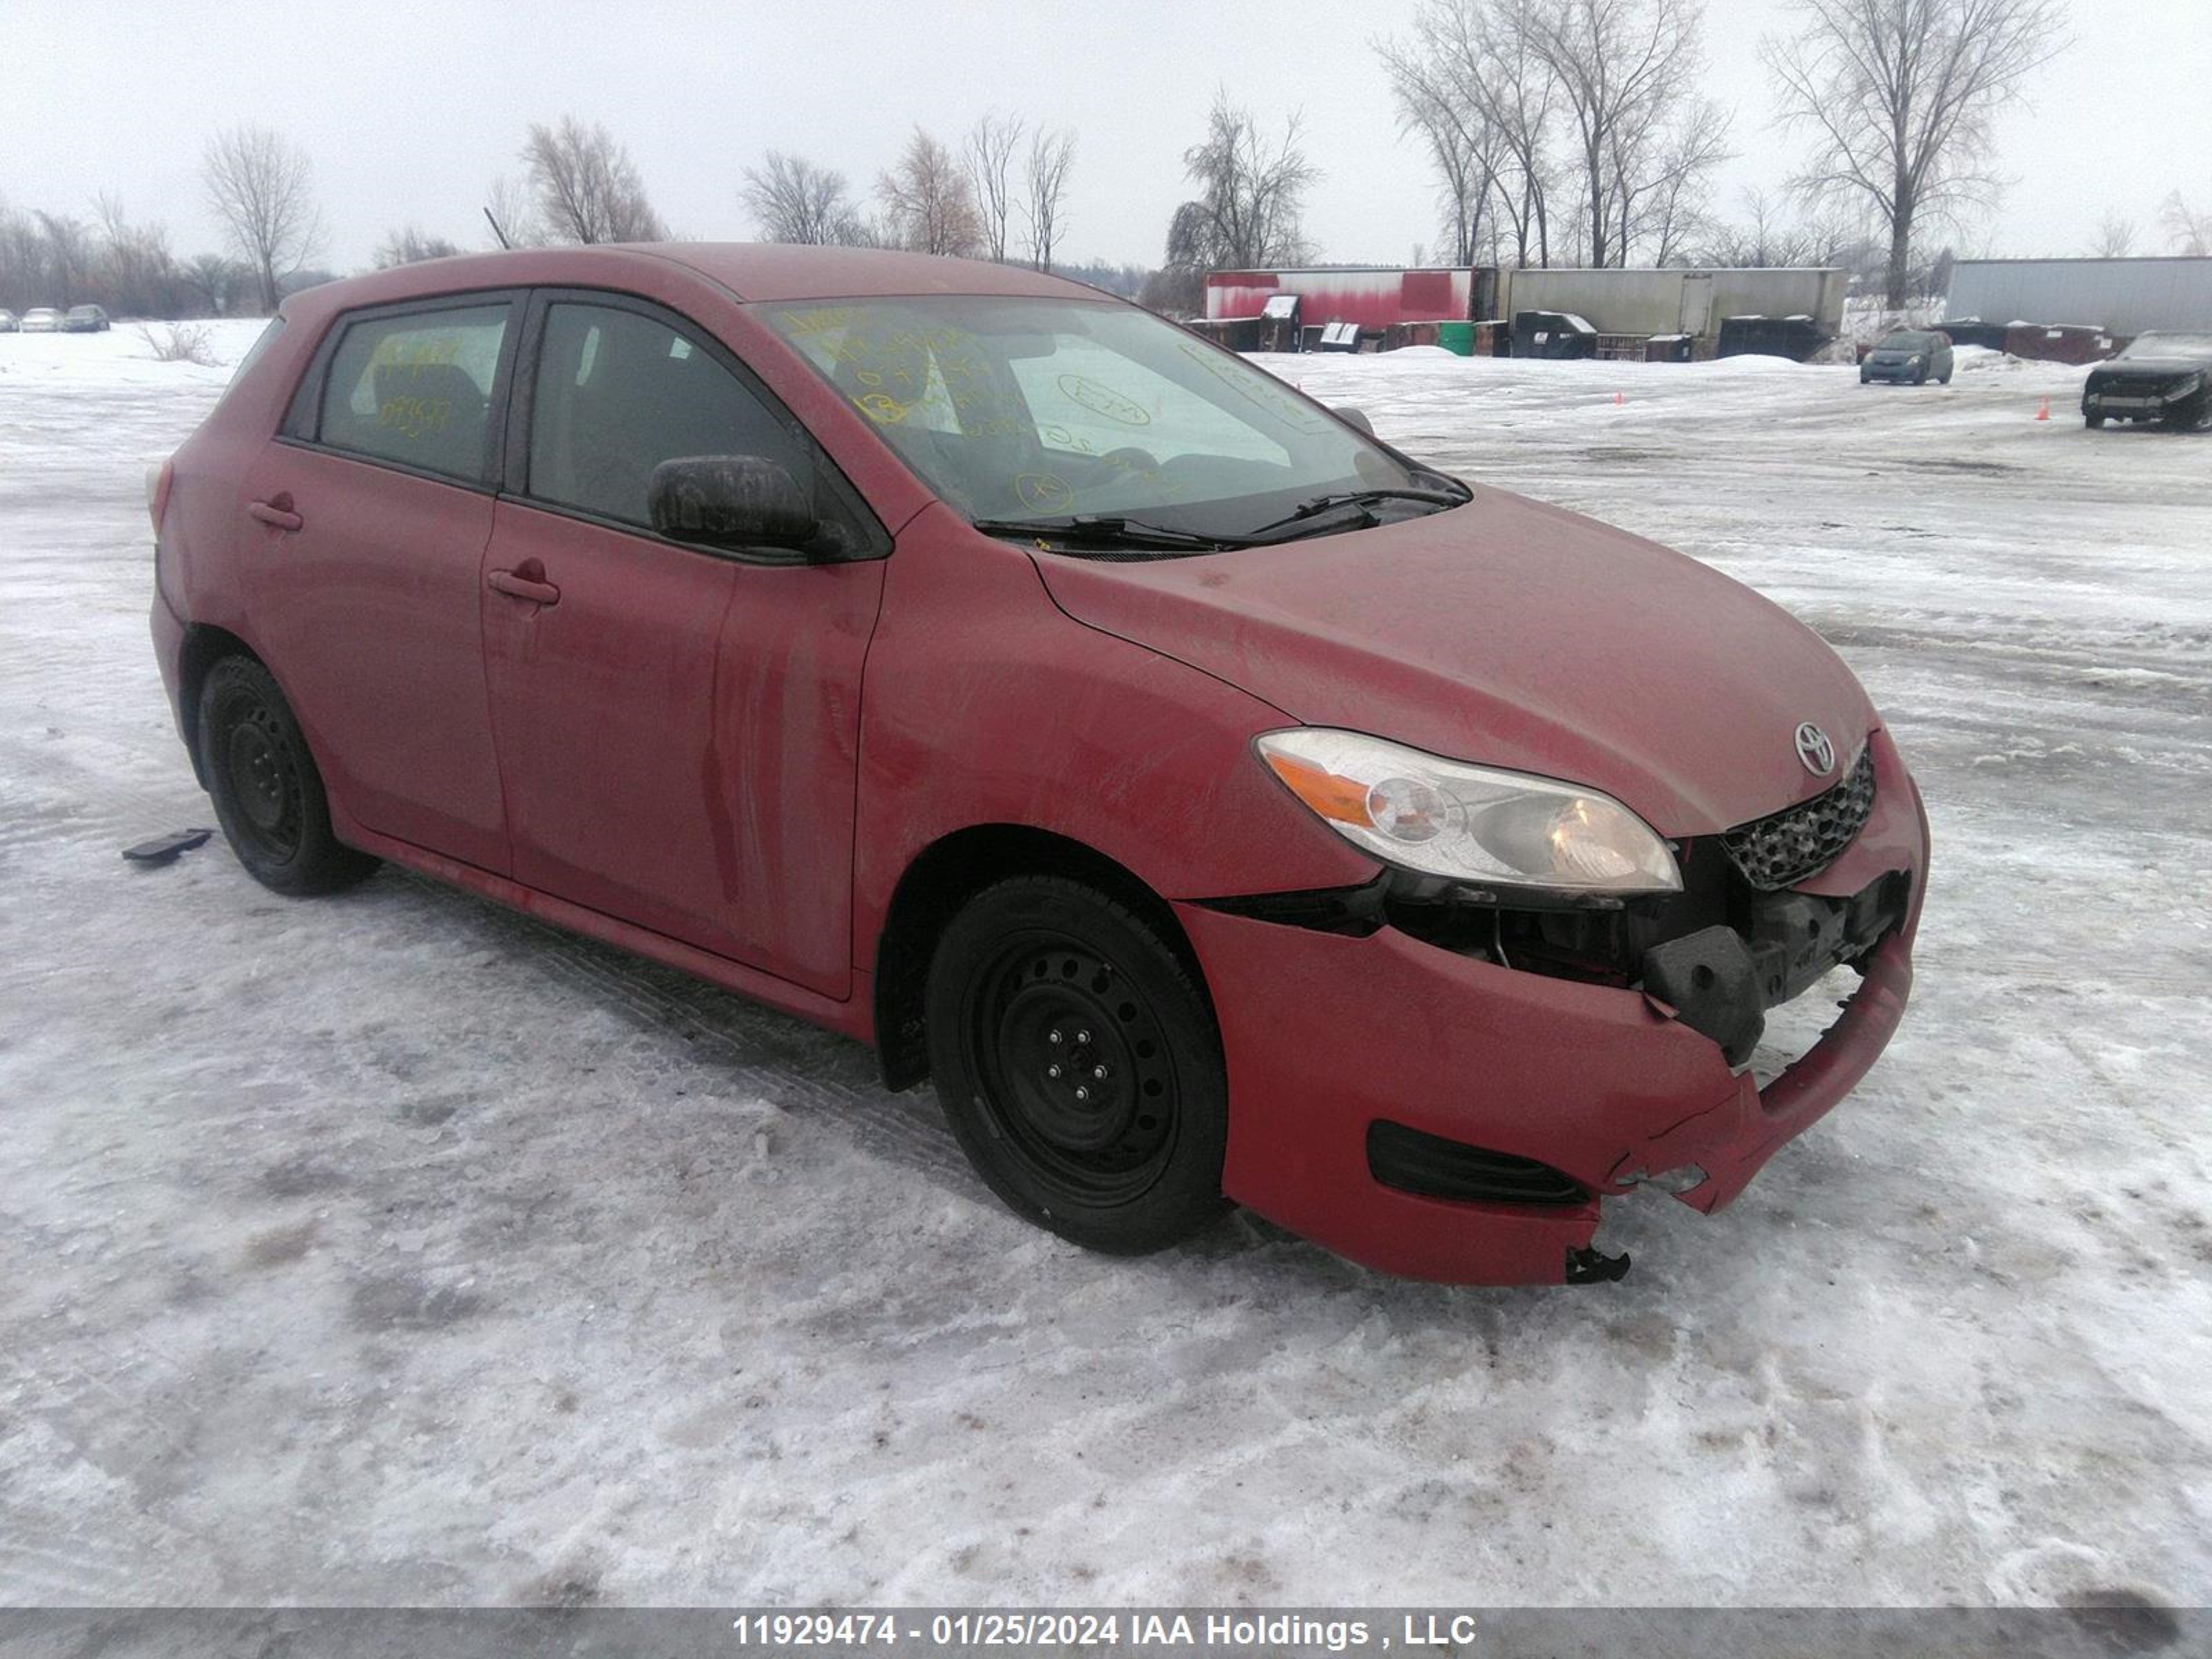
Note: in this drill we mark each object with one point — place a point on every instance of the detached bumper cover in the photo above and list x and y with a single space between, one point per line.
1325 1034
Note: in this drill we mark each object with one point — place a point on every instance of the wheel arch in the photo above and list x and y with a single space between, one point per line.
948 872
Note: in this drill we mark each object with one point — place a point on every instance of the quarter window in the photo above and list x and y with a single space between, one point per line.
619 392
416 389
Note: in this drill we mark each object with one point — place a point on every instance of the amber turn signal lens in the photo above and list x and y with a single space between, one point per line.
1344 800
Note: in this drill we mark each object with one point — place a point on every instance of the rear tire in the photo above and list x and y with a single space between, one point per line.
1080 1066
268 795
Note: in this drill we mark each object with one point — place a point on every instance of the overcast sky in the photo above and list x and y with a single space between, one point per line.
408 109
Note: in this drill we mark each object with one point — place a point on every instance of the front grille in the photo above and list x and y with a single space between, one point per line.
1430 1166
1784 849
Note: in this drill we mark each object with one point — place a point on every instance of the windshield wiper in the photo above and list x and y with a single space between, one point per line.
1108 528
1295 519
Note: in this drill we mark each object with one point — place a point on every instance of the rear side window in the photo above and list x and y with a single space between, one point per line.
417 389
254 354
619 392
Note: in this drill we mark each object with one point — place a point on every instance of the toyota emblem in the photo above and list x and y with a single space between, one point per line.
1815 750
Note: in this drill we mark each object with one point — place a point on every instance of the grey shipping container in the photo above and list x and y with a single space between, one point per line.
2126 296
1684 302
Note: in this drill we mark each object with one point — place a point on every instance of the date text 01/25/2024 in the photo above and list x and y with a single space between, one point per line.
1087 1629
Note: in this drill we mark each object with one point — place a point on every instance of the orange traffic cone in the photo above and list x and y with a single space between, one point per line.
2043 413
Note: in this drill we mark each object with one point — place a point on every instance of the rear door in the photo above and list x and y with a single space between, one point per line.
678 727
1697 304
364 524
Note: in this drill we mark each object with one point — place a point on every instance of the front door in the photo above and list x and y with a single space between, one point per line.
677 728
364 527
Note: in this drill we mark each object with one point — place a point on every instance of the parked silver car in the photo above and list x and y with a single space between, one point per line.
7 323
42 320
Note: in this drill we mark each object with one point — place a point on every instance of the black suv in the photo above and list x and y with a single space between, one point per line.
2166 378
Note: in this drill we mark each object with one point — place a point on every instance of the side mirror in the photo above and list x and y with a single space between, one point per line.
1353 417
730 500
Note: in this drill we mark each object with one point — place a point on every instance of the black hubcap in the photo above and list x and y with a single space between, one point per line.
264 783
1076 1071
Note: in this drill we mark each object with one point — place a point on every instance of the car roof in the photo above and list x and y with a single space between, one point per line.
748 270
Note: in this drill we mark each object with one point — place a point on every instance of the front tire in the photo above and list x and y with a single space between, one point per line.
268 795
2095 423
1080 1066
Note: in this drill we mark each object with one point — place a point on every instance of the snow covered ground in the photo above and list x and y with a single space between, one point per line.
393 1248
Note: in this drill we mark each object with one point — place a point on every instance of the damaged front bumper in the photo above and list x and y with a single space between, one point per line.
1438 1114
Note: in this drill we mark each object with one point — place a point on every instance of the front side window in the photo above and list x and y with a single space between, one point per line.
1035 408
417 389
619 392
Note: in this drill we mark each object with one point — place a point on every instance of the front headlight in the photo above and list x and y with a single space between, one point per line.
1475 823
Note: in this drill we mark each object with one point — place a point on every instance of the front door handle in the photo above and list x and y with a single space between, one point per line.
527 583
278 513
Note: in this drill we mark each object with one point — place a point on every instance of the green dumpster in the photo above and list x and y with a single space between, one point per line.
1458 338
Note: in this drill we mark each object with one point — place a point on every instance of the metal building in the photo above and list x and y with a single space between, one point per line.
2122 296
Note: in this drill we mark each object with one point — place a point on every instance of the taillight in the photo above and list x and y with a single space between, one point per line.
158 480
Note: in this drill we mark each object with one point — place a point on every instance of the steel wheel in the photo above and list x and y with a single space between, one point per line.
1079 1065
267 792
265 783
1077 1075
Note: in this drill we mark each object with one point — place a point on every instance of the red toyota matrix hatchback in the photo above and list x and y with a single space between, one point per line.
1216 804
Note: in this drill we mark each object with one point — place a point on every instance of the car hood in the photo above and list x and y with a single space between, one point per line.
2150 368
1512 634
1897 356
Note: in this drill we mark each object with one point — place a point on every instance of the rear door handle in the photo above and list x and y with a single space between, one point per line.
523 587
277 513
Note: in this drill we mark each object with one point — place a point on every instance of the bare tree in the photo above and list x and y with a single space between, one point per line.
588 188
1766 238
1475 84
511 213
137 274
261 190
927 198
2188 230
1250 193
22 260
2115 238
1900 96
215 283
1624 68
987 156
1455 127
68 255
407 247
1052 158
792 200
1660 174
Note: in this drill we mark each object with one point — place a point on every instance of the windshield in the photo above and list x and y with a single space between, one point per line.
2169 345
1035 409
1907 342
